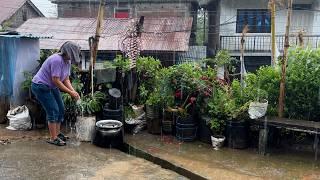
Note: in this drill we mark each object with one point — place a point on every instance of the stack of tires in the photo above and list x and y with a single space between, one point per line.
113 110
109 131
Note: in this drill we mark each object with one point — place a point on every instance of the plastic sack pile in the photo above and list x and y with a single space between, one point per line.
19 119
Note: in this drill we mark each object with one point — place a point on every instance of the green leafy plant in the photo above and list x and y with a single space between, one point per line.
123 64
218 110
303 84
222 59
147 69
92 104
109 65
26 84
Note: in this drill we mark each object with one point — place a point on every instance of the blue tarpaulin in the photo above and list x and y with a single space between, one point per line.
8 57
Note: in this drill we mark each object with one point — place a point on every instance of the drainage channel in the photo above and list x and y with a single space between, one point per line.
128 149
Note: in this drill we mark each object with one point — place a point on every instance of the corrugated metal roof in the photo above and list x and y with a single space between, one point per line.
9 7
160 34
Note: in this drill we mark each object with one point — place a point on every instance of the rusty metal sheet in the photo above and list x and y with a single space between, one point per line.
160 34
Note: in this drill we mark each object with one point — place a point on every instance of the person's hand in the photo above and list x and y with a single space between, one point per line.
74 95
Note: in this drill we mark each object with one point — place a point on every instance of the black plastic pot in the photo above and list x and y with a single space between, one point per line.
186 129
108 133
152 112
204 131
237 134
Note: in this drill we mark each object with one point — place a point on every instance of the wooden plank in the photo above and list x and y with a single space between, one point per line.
290 123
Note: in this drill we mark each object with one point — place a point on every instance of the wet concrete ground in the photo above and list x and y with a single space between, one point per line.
28 156
228 163
35 159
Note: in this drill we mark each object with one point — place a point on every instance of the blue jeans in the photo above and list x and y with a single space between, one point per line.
51 101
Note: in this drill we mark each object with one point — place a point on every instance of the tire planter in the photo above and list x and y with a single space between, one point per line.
115 114
186 129
204 132
114 98
237 134
108 133
85 127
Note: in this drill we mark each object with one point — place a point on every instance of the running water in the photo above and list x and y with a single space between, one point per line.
73 140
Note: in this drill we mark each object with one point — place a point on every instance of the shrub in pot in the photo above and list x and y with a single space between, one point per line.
153 113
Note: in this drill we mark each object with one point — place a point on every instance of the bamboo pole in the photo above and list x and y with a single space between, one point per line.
95 43
284 61
272 6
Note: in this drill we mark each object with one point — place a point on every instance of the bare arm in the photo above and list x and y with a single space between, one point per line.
68 84
64 88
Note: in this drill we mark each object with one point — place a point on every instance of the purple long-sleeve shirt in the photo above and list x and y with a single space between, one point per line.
54 66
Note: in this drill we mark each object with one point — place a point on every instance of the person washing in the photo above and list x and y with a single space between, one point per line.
52 78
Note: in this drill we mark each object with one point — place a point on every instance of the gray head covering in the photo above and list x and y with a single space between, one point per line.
72 50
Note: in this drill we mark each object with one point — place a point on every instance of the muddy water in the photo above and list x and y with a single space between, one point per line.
229 163
38 160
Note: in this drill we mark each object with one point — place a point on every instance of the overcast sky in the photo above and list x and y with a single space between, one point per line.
46 7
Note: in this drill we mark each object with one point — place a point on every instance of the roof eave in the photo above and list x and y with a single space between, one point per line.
35 8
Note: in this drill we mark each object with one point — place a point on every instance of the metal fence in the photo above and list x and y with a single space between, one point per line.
262 43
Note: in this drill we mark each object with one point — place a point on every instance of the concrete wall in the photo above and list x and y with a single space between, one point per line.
24 13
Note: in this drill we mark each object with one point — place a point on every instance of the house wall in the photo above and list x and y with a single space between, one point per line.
307 21
86 9
300 19
24 13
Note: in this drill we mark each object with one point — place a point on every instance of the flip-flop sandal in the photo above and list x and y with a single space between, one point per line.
63 137
57 142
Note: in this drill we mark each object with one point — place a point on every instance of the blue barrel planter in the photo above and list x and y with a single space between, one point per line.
186 129
237 134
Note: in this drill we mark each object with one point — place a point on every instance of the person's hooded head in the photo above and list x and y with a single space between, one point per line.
71 50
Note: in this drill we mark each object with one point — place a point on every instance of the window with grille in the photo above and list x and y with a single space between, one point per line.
258 20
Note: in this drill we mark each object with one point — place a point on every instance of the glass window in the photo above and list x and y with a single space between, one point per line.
258 20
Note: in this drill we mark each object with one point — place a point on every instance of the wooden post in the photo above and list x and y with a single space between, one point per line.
242 68
284 61
272 7
95 43
300 38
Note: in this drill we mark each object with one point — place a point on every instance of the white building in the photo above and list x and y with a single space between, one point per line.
235 14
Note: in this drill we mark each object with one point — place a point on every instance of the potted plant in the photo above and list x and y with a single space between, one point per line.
218 110
240 98
153 112
183 82
147 69
223 63
88 106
